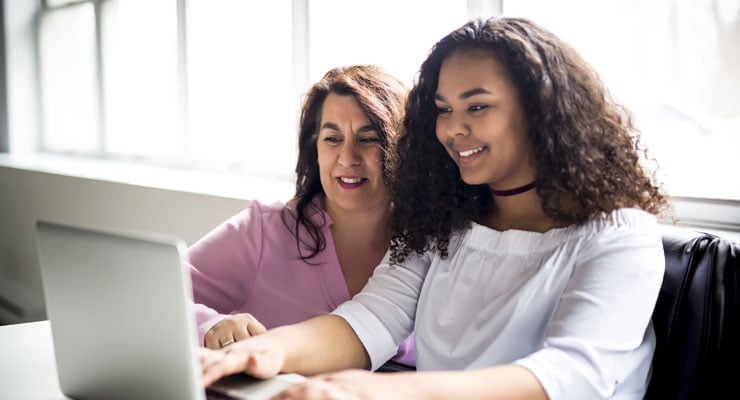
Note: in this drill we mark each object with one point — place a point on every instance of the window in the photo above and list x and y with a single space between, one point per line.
242 107
213 83
69 106
218 83
676 65
397 34
139 71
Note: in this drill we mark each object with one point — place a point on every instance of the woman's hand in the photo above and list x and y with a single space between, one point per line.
347 385
233 329
261 356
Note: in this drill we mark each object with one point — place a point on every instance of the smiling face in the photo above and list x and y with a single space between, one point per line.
481 122
350 157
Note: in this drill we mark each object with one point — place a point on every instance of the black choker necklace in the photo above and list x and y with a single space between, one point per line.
511 192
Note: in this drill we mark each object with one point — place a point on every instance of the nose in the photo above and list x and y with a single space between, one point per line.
348 155
454 124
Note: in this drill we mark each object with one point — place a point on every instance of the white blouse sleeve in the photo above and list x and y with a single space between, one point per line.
604 314
382 314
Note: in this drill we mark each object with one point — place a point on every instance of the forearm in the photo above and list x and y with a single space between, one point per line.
503 382
321 344
205 319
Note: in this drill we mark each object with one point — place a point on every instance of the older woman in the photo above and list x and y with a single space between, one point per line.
274 265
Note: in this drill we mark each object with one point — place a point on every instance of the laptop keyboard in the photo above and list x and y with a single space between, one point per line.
214 395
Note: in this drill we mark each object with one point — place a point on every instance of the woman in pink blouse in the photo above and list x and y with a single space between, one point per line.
274 265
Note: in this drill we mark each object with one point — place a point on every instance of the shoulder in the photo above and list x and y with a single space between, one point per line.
256 209
624 223
627 218
255 215
279 216
624 226
312 211
626 237
258 206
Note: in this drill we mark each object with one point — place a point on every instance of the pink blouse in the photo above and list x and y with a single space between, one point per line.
250 263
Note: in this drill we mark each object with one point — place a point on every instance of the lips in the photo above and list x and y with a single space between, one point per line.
351 182
468 156
468 153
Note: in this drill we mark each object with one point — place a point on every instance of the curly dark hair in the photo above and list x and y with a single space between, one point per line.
588 153
382 97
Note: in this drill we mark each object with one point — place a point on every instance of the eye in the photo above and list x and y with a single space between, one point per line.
370 139
332 139
444 110
477 107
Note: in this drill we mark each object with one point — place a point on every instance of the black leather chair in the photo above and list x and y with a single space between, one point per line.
696 319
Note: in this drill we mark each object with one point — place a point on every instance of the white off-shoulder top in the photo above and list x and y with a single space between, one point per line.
573 305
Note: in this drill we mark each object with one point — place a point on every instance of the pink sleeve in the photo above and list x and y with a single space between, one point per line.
223 265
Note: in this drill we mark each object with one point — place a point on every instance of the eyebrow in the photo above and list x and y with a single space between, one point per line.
335 127
466 94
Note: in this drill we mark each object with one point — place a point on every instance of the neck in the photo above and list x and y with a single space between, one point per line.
514 191
367 225
523 212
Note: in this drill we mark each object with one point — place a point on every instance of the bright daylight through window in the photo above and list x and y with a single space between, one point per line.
218 82
676 65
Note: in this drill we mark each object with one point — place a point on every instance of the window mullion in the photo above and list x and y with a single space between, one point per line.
300 50
183 101
101 148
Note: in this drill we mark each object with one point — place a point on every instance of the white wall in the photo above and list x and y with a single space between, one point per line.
27 195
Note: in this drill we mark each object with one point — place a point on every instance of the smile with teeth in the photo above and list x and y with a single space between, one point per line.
468 153
350 180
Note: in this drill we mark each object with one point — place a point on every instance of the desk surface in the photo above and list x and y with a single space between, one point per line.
28 369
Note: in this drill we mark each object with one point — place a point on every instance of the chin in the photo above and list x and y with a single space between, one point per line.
472 180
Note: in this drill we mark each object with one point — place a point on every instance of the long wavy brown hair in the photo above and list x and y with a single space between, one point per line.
382 97
589 157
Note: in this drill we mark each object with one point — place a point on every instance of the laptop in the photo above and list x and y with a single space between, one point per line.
120 309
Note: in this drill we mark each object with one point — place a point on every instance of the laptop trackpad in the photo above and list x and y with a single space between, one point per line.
241 386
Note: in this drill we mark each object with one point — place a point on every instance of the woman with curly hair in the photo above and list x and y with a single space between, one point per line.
527 255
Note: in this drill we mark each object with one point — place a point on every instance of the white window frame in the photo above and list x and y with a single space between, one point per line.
23 94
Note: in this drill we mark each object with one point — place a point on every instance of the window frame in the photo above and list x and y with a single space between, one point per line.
19 92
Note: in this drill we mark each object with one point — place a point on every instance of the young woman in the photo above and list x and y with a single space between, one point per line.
527 258
274 265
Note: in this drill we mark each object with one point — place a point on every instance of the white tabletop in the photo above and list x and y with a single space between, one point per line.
28 369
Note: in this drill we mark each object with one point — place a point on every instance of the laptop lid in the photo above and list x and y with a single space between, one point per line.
117 304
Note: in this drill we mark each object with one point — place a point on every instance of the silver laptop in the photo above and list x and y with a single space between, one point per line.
120 310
